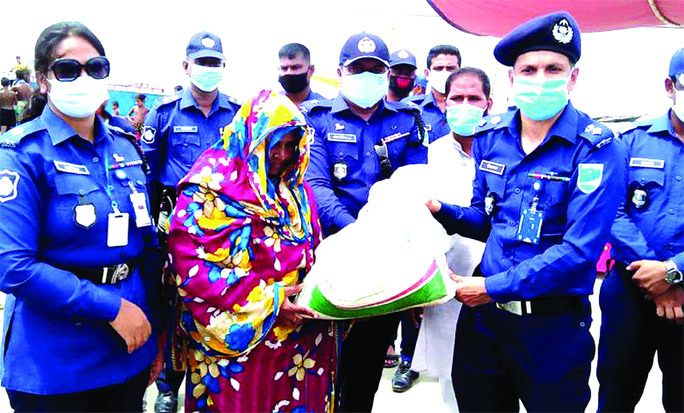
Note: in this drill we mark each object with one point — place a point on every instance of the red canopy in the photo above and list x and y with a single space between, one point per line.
498 17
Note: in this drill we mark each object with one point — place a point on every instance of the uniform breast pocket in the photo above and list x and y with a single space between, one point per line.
74 202
344 159
554 204
644 184
186 147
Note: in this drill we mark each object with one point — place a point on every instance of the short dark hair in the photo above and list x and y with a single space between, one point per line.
46 45
292 50
473 71
443 49
140 96
5 81
21 74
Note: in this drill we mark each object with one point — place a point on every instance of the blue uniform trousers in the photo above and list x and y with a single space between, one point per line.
361 361
631 333
542 360
122 397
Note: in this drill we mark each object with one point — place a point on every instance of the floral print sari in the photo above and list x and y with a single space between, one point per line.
236 240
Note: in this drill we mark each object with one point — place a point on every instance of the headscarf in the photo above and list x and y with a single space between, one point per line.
237 238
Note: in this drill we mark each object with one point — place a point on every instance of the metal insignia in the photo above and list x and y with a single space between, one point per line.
340 170
639 198
8 185
148 135
84 215
366 45
495 120
562 31
339 126
208 42
403 54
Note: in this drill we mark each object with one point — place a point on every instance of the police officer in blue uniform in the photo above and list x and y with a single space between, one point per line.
176 132
360 139
294 73
78 256
643 294
546 191
442 61
402 75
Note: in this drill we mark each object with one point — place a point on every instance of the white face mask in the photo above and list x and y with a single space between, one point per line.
678 106
206 78
365 89
437 80
79 98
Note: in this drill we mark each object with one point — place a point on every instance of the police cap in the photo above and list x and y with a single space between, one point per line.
364 45
677 63
204 44
557 32
402 57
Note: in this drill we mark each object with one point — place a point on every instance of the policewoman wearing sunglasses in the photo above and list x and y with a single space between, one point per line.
547 186
78 253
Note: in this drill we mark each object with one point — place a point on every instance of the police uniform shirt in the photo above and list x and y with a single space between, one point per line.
650 224
314 96
54 208
344 164
435 121
579 204
177 132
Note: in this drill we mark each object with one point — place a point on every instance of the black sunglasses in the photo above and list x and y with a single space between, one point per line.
68 70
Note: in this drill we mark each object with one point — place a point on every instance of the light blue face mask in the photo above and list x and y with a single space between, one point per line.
365 89
463 118
206 78
540 100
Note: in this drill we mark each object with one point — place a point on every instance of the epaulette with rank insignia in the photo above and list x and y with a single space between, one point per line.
13 137
120 131
166 100
598 135
640 123
235 101
493 122
312 105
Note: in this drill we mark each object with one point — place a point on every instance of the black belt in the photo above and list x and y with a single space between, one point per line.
540 306
104 275
544 305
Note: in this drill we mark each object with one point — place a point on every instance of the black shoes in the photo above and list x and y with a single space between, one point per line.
167 402
404 377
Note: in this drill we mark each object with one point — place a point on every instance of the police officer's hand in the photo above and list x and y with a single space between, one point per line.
132 325
669 304
649 276
434 205
471 291
293 314
158 362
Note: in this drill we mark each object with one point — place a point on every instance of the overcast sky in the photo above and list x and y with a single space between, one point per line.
621 72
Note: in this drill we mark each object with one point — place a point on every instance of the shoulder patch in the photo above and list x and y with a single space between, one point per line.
235 101
313 105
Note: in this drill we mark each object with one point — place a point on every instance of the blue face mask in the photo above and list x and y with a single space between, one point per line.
540 100
365 89
206 78
463 118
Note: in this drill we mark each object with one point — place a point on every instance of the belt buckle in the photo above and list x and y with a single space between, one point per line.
513 307
119 273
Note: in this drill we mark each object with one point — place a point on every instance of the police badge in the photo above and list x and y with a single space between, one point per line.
8 185
84 215
366 45
562 31
340 170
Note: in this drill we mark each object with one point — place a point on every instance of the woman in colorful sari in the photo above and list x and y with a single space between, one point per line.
241 239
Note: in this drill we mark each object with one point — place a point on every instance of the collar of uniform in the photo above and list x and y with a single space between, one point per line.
60 131
339 105
429 100
662 124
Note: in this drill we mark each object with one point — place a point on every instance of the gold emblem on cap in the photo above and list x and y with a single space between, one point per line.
208 42
403 54
366 45
562 31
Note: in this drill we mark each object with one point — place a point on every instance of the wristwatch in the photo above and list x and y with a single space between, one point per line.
672 275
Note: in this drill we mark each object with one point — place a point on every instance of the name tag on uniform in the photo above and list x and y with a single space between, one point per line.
342 137
185 129
396 136
492 167
71 168
647 163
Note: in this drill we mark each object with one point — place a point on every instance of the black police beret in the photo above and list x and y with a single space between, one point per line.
557 32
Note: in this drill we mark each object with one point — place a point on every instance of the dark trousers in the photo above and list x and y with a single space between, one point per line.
123 397
362 360
409 334
542 360
631 334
